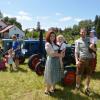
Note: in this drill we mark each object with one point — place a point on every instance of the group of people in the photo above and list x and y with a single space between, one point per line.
12 55
55 48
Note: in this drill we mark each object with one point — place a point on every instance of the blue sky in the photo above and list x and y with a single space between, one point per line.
50 13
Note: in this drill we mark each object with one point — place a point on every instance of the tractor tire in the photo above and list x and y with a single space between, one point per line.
39 69
33 60
2 65
21 59
70 76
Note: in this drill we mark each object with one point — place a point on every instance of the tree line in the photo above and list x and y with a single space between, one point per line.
70 33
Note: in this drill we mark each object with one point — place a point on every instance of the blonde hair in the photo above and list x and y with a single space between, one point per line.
10 51
60 36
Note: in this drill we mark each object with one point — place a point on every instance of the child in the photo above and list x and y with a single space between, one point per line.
93 42
10 59
1 54
62 46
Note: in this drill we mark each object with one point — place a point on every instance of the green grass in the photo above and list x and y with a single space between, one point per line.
98 45
26 85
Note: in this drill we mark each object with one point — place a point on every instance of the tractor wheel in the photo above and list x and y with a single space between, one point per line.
2 65
33 60
21 59
70 76
39 69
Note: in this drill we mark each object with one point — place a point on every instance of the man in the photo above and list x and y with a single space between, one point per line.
16 49
83 57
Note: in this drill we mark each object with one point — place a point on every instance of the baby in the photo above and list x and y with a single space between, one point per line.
62 46
93 42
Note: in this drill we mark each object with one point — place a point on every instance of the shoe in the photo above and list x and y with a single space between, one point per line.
76 90
47 92
54 90
87 91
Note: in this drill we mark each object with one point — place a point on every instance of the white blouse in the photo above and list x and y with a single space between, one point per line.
51 48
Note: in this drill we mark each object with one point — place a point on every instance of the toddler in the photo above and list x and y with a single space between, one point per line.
93 42
10 59
62 46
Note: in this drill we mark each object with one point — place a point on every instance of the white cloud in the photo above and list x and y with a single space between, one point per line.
22 13
21 17
67 18
58 14
24 18
78 19
42 17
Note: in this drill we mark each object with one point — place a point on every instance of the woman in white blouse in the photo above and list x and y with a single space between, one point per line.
53 72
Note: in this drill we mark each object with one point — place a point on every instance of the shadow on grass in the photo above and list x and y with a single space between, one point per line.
67 94
22 70
95 96
25 63
96 75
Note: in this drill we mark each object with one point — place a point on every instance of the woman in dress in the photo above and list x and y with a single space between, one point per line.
53 72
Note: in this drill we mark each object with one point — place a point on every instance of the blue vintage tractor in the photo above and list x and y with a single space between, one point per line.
37 54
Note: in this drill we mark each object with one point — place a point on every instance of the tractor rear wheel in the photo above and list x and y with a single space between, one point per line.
33 60
39 69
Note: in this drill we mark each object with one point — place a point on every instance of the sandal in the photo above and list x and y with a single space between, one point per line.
54 90
87 92
47 92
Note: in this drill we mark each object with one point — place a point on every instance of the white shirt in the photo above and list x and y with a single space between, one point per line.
93 40
63 45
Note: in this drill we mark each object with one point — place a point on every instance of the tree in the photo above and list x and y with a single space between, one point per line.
75 29
88 24
96 20
6 19
1 15
38 26
98 27
12 21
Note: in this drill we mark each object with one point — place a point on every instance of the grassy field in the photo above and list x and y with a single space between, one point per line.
26 85
98 45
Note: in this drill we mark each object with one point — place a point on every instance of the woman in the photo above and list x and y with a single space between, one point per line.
53 72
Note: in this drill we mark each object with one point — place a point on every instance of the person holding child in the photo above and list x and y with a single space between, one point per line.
83 58
53 73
